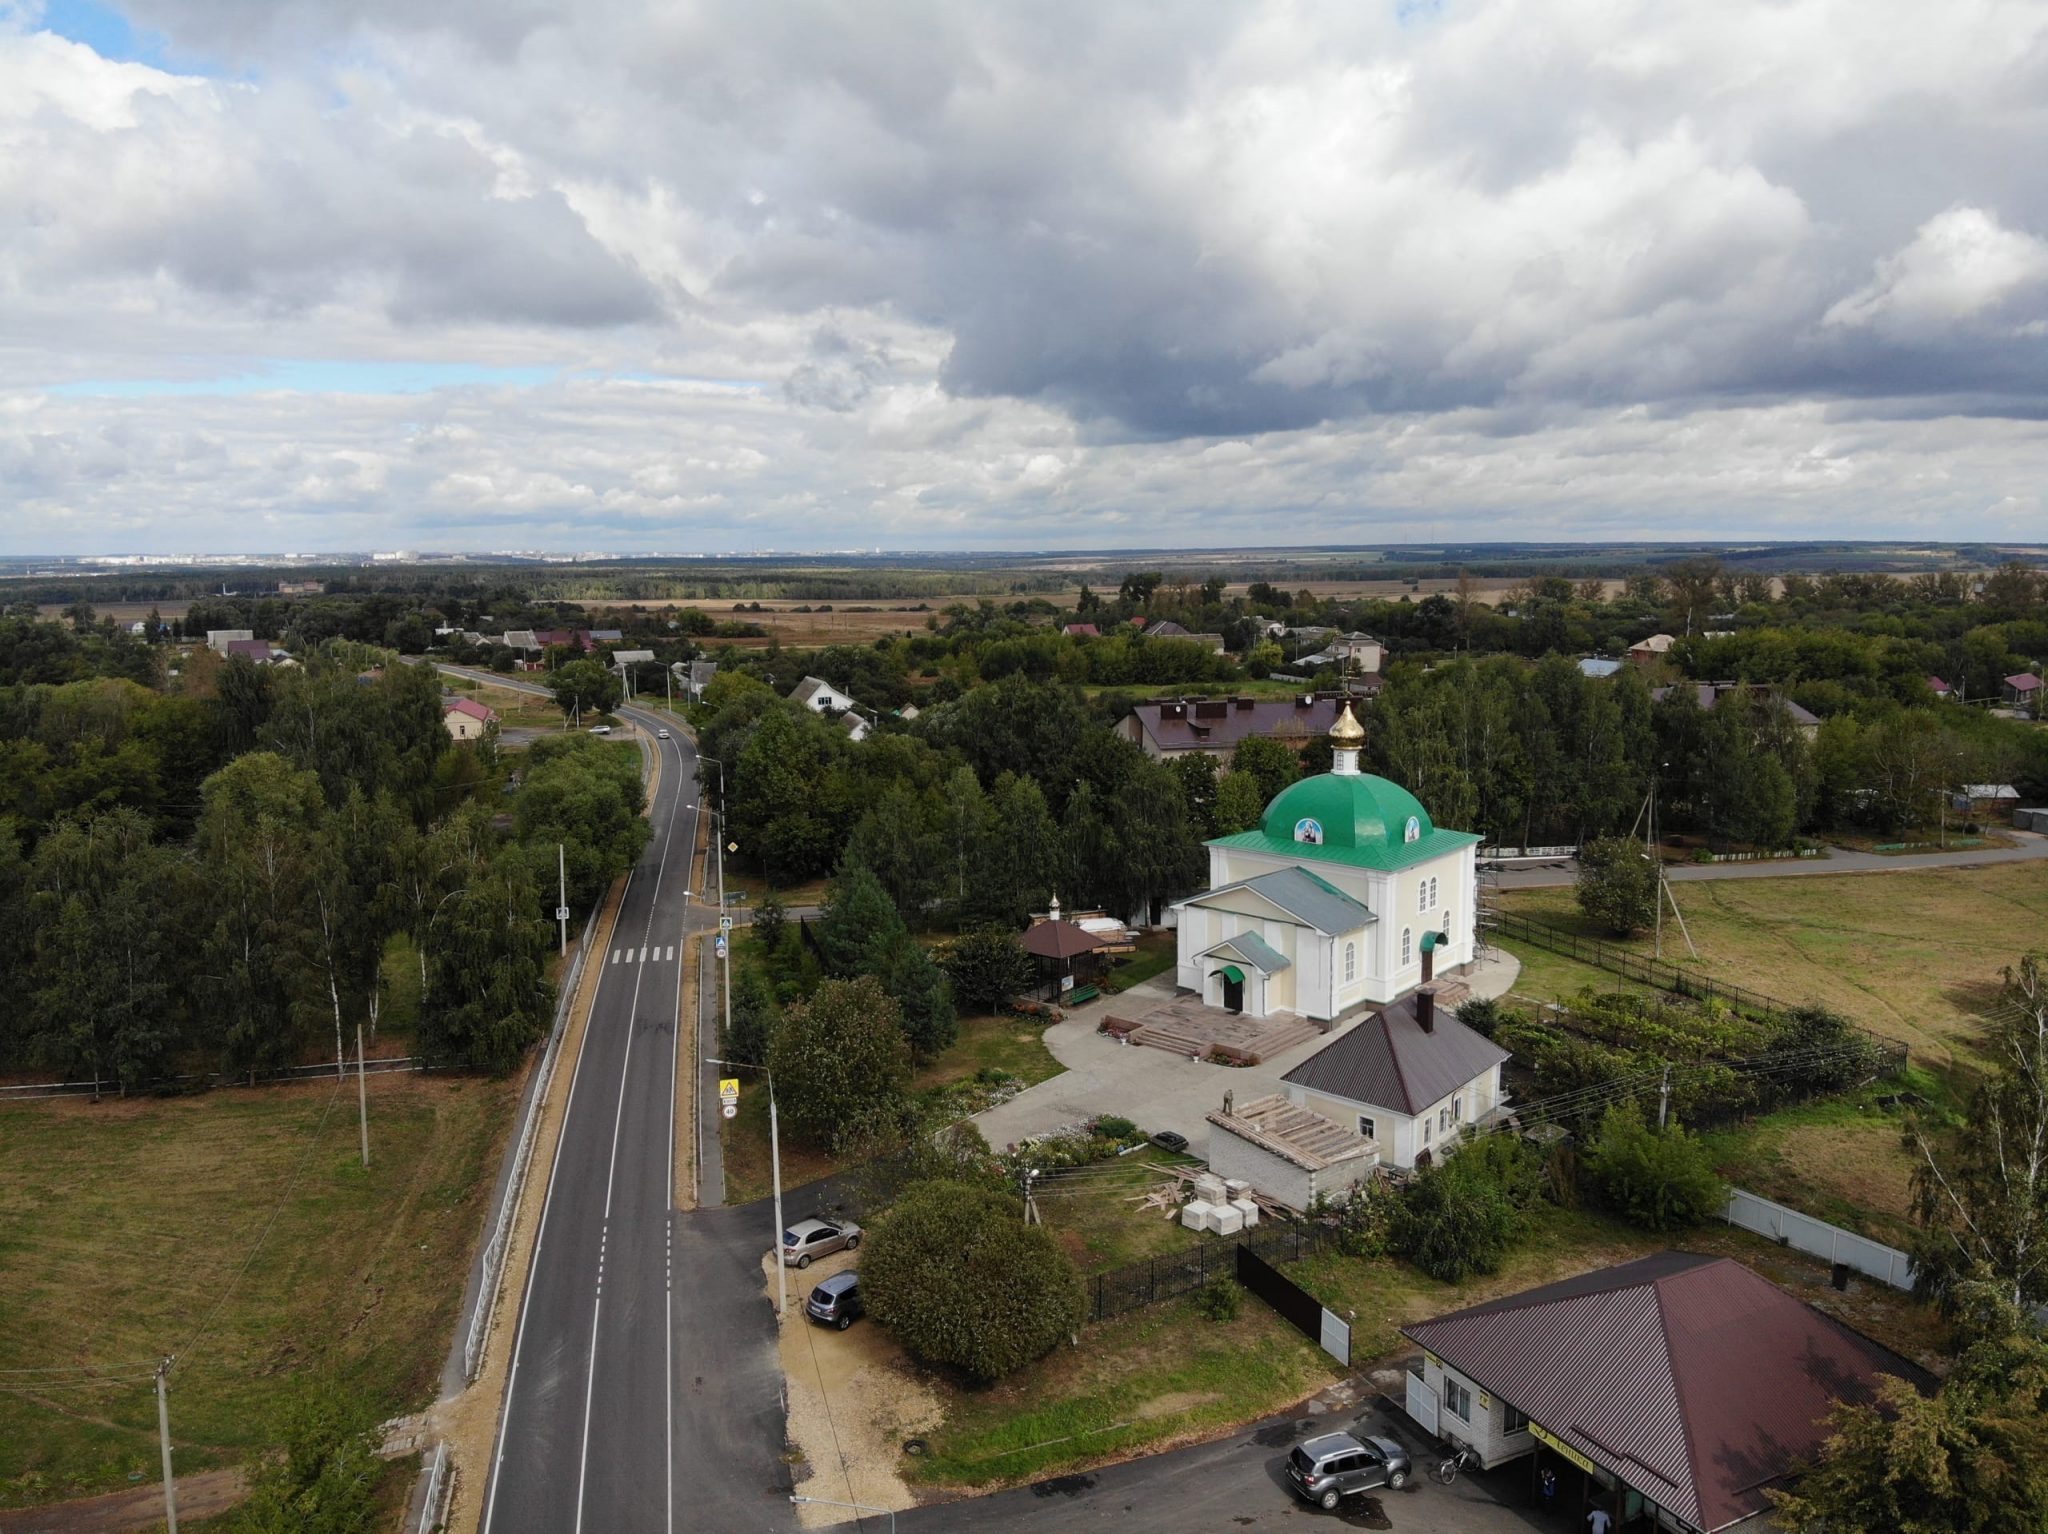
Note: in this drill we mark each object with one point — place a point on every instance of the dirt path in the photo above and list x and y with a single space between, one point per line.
853 1399
204 1495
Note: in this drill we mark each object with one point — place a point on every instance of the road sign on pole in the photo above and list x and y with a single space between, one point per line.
732 1110
721 945
725 924
561 913
729 1088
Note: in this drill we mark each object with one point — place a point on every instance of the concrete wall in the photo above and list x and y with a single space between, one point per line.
1277 1177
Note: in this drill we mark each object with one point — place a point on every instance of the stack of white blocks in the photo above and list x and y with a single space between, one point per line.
1219 1207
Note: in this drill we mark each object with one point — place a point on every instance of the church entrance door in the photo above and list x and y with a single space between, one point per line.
1233 995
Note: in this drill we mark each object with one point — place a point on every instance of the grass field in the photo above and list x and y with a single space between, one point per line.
1091 1212
1157 953
1913 955
1548 976
129 1230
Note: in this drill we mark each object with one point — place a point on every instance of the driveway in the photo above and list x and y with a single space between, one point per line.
1159 1089
1238 1483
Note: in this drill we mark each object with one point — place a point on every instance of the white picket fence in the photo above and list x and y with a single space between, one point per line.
1817 1238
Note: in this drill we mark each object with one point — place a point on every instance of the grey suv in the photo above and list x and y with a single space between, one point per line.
1328 1469
837 1302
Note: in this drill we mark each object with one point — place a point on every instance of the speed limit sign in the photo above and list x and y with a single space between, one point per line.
732 1110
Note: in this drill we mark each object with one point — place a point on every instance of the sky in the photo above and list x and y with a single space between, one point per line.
596 275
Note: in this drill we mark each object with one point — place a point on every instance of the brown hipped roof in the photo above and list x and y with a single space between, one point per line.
1060 940
1690 1377
1211 723
1387 1061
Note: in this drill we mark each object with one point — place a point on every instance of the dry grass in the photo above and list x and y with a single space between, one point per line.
1914 955
122 1226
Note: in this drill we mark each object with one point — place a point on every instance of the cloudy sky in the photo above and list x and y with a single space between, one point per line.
597 274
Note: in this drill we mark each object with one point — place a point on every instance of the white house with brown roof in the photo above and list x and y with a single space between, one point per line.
1410 1077
467 719
1167 729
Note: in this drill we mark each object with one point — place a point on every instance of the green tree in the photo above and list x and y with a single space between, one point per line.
584 793
1970 1458
1617 884
897 842
988 966
1238 803
859 924
583 687
1980 1193
961 1281
769 917
1195 772
754 1018
779 813
920 987
1271 763
1660 1179
841 1063
1018 862
487 996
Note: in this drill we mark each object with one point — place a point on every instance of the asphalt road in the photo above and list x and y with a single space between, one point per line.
643 1393
2030 848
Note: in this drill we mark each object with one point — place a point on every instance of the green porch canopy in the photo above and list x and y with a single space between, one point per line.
1233 974
1431 941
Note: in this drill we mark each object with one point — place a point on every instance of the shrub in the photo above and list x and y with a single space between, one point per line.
769 917
1362 1218
1111 1127
987 968
1455 1220
961 1280
1660 1179
1221 1298
1482 1016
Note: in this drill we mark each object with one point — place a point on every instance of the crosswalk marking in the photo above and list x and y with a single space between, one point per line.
657 953
615 956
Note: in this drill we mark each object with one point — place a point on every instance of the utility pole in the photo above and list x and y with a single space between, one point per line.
562 897
1664 1098
163 1435
1657 860
362 1095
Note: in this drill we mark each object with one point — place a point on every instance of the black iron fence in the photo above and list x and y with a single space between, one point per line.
1164 1278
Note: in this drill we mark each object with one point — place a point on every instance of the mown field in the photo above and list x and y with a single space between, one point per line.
1912 955
238 1230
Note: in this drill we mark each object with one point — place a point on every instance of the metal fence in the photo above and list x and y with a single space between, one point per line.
207 1080
1652 972
1817 1238
434 1498
1164 1278
522 1156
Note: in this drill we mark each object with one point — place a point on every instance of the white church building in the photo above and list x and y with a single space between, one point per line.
1345 895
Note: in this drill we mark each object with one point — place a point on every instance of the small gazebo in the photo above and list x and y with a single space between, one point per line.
1057 943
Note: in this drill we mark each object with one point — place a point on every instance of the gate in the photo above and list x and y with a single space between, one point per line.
1300 1309
1422 1403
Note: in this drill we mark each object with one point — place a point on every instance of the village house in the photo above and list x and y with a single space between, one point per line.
1410 1079
1676 1389
1288 1152
1646 652
466 718
1710 694
1214 726
2023 692
820 696
1352 652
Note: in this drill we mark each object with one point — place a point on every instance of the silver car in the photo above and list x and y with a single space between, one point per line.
817 1238
1328 1469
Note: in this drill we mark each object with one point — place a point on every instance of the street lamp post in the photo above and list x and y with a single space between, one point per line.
775 1159
858 1507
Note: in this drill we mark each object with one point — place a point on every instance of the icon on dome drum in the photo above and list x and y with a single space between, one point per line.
1311 831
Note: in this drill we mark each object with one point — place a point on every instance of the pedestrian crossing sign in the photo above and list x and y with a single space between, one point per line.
729 1089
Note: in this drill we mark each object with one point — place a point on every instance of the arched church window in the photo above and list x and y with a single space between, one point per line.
1350 962
1407 946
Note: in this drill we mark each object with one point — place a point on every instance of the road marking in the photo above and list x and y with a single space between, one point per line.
612 1172
547 1207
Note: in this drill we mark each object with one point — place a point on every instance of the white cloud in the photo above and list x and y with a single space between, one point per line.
1071 273
1959 264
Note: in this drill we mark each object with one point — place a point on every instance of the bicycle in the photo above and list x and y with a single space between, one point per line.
1446 1470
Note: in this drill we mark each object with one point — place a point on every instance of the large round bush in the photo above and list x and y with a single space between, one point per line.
954 1272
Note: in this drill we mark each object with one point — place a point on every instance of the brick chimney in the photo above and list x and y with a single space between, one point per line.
1425 1007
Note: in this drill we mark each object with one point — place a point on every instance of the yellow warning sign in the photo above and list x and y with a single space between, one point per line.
729 1088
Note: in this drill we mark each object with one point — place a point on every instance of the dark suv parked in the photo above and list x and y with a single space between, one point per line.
836 1302
1328 1469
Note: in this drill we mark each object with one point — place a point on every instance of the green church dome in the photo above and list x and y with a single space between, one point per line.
1347 810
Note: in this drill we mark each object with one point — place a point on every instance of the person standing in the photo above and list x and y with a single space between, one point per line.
1549 1484
1597 1521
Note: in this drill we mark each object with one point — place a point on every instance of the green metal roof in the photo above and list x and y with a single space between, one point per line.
1233 974
1354 819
